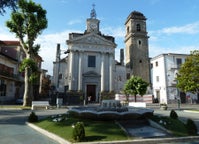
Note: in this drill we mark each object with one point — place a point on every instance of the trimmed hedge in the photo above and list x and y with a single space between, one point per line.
32 117
191 127
79 132
173 114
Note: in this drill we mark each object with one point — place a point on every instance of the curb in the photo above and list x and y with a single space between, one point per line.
48 134
148 141
190 111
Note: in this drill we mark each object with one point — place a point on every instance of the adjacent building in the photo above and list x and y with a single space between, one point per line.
164 69
11 80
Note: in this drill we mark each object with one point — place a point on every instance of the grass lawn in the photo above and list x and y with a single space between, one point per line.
105 130
176 126
94 130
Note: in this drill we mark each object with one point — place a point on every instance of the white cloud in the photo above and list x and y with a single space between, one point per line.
117 32
72 22
5 35
191 28
165 40
153 38
48 44
153 2
155 50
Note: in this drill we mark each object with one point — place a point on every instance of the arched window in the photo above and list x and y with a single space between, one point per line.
139 42
138 27
127 30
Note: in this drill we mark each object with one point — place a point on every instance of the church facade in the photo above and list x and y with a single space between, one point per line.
91 60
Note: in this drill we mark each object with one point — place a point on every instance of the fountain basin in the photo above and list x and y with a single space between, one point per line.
99 113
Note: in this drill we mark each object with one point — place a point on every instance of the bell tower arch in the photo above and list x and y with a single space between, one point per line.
136 43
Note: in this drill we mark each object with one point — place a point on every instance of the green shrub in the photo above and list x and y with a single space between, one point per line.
32 117
173 114
191 127
79 132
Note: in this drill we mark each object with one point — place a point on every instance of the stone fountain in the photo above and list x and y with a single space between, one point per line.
110 110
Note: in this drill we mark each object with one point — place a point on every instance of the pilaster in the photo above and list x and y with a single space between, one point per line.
102 72
70 79
80 72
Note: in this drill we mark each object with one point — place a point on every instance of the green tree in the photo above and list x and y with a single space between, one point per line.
27 22
7 4
134 86
188 75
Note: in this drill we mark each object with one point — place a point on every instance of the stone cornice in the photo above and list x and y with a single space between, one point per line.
92 39
90 48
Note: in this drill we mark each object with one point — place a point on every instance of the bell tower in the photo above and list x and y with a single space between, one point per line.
92 22
136 41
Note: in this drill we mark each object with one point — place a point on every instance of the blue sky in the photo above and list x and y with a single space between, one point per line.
172 25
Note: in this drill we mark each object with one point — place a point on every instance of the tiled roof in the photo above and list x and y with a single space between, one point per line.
15 43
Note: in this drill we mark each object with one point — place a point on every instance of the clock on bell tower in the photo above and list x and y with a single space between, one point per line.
93 22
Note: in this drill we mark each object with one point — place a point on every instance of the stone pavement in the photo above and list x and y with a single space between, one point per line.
15 121
13 129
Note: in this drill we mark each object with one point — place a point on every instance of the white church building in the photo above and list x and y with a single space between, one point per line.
90 66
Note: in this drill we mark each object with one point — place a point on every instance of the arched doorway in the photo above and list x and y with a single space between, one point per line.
91 93
91 86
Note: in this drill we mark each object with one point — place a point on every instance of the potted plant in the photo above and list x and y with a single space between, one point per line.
163 106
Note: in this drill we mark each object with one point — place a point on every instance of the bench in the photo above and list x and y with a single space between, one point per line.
40 104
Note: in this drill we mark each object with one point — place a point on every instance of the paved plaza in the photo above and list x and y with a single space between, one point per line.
13 128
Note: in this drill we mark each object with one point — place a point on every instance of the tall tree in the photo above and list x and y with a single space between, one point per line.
134 86
188 75
27 22
7 3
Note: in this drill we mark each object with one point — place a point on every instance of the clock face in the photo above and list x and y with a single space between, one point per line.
93 26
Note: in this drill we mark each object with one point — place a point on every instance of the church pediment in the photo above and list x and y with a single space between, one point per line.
92 39
91 74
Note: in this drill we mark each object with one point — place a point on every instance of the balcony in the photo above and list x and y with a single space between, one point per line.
174 67
10 76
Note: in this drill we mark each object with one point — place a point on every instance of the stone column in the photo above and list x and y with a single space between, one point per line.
102 72
80 72
70 78
110 72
